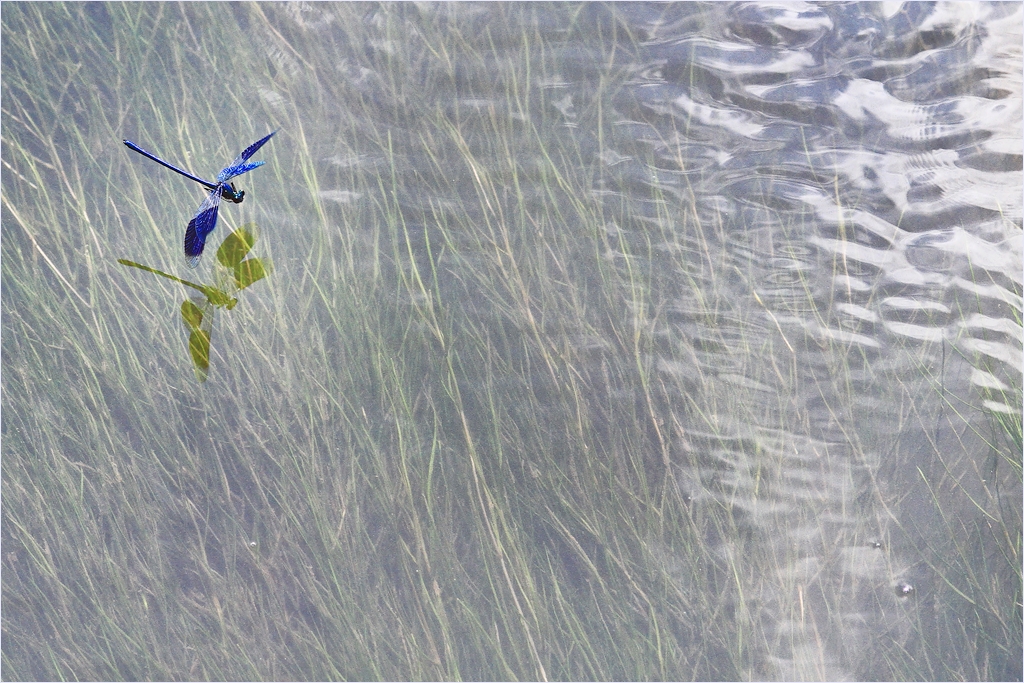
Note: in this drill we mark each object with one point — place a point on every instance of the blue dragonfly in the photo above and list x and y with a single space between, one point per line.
205 220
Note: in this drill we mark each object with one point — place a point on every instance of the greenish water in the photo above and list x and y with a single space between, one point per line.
602 342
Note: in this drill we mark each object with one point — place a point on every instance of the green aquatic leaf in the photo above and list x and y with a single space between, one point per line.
200 325
236 245
250 271
233 274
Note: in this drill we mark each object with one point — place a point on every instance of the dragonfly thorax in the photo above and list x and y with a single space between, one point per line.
228 192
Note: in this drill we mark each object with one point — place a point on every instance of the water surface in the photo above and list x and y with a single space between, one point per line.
603 341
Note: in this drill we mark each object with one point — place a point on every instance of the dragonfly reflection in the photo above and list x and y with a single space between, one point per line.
233 273
205 220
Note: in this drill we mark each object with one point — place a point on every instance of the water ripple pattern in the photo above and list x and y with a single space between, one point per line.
864 173
818 210
605 341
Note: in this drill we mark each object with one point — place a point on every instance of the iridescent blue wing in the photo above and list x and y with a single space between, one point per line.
252 149
238 166
237 170
201 225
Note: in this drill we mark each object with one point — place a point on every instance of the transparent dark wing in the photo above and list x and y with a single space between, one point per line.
201 225
238 166
197 314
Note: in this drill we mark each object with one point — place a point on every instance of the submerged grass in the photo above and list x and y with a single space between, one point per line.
445 445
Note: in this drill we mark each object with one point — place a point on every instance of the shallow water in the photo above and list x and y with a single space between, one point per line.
754 269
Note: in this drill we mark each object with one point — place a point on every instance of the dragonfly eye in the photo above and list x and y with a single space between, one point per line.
231 194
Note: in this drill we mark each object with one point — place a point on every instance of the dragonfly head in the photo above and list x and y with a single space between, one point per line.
228 192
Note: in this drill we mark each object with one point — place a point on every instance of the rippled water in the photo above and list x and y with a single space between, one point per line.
812 217
862 167
825 205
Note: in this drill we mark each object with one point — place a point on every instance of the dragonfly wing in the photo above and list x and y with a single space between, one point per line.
201 225
238 169
253 148
239 163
